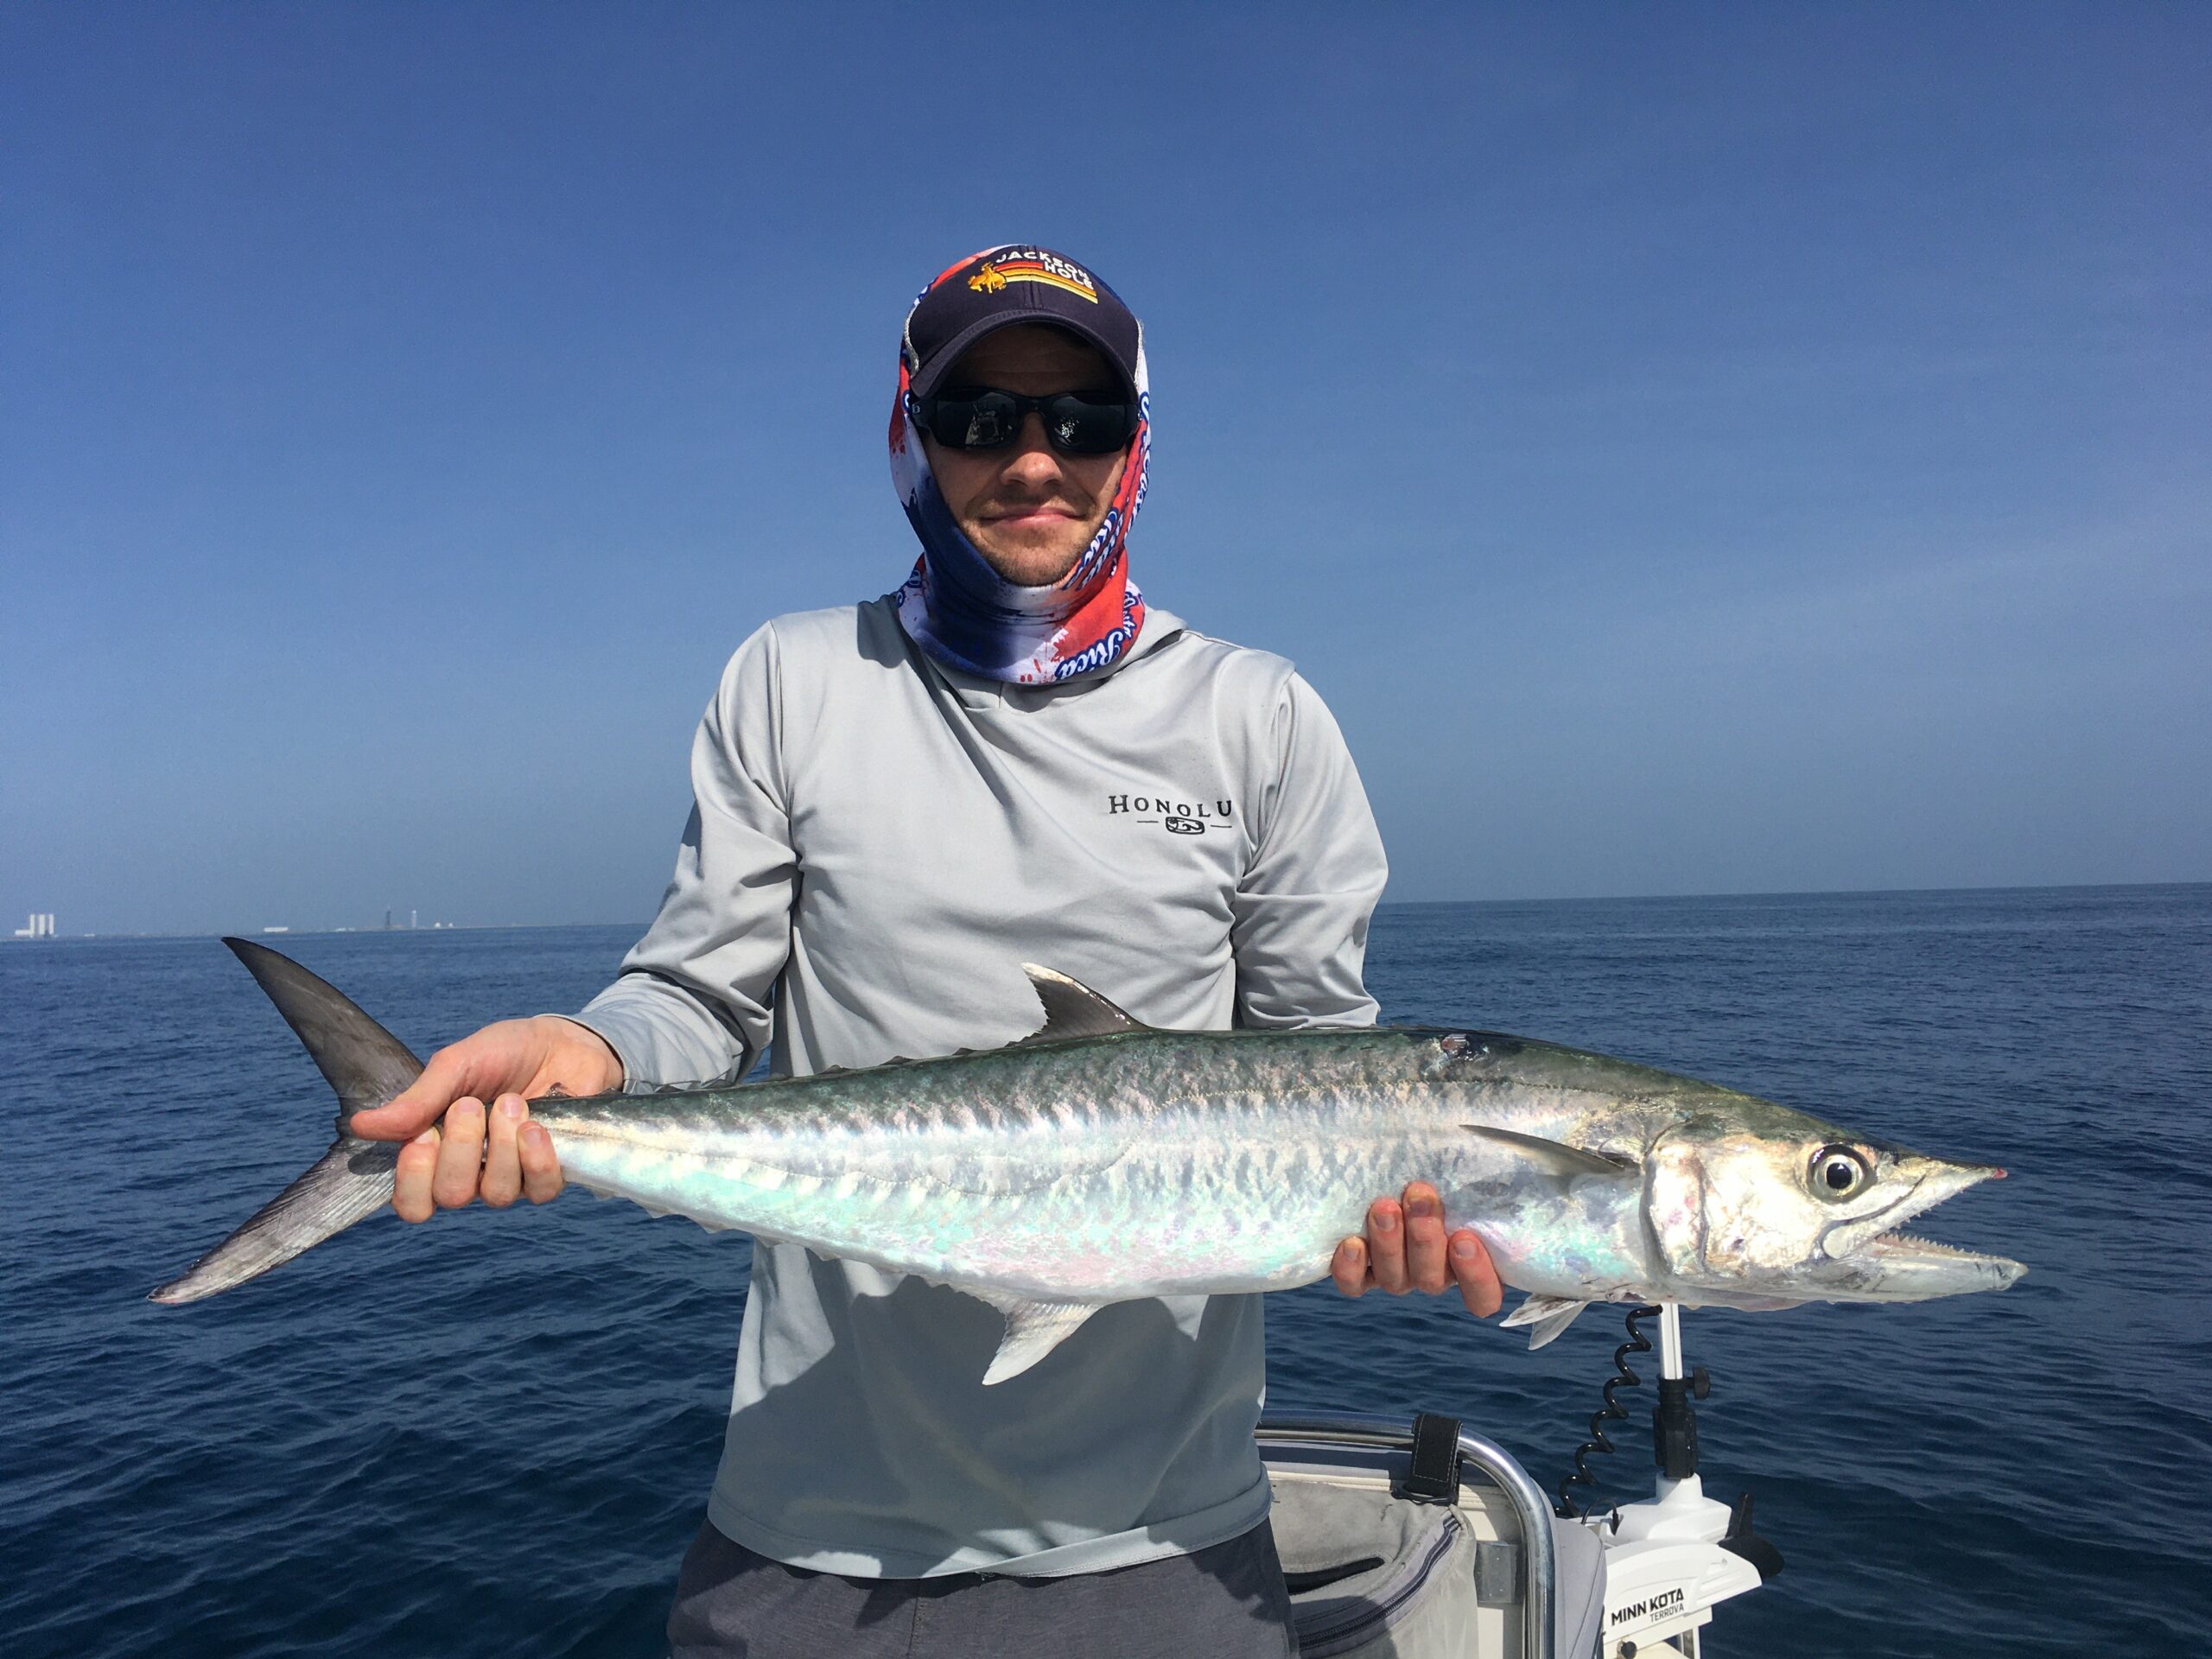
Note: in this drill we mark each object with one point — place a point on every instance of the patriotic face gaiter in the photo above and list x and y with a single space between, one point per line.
965 613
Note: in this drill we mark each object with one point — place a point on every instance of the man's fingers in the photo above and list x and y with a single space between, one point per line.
460 1155
502 1163
411 1182
1348 1267
1476 1274
419 1105
541 1167
1386 1245
1424 1213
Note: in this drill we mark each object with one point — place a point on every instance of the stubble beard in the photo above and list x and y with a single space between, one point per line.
1028 563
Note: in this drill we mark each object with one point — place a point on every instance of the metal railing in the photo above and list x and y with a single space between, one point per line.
1530 1507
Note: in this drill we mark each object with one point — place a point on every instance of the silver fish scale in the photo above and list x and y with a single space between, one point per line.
1104 1167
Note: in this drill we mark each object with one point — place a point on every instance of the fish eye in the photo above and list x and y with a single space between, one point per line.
1838 1173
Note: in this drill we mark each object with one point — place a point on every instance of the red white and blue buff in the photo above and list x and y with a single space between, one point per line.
969 617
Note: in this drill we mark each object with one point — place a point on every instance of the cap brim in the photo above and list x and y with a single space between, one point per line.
934 371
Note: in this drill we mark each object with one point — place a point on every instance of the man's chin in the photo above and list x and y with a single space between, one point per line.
1025 566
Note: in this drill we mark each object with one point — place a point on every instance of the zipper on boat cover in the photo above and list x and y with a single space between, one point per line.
1329 1635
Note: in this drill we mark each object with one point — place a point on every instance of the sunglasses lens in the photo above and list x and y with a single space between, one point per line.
974 420
1080 427
980 418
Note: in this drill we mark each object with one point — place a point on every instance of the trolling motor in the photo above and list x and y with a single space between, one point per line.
1671 1556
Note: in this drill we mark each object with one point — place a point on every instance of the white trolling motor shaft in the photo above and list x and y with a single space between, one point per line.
1671 1557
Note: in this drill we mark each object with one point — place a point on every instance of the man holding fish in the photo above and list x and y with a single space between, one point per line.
1013 757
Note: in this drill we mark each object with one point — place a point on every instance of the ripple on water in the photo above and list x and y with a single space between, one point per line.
496 1434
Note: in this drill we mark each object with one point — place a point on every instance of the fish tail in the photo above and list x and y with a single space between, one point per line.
367 1066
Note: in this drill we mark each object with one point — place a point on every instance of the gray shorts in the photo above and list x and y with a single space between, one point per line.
1226 1601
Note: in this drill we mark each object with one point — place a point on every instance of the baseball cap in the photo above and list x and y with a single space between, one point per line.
1018 282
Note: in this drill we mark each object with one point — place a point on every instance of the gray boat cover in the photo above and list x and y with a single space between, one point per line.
1377 1576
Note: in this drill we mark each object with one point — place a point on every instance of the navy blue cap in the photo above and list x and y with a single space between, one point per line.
1017 283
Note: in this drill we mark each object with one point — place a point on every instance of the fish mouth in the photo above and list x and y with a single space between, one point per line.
1889 1263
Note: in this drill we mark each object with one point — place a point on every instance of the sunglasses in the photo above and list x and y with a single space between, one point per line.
981 417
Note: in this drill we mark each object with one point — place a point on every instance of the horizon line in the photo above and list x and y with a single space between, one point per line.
288 931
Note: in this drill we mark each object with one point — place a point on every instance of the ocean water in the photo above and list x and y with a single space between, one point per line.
494 1434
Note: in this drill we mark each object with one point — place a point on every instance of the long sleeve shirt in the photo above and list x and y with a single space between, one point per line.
878 844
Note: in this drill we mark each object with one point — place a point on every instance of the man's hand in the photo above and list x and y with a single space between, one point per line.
499 1155
1406 1248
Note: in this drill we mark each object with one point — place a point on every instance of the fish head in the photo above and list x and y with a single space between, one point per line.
1767 1213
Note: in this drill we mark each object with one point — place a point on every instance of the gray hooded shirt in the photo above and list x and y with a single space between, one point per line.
878 844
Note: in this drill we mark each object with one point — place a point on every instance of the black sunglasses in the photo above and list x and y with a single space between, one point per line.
981 418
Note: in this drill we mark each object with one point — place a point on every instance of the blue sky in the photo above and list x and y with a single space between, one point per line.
1694 448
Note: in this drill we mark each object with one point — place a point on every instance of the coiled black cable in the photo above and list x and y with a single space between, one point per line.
1612 1411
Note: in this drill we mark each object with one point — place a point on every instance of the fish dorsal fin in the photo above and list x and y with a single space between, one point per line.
1032 1331
1072 1008
1550 1315
1565 1161
366 1064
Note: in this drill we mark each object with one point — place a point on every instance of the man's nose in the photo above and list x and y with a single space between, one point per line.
1031 457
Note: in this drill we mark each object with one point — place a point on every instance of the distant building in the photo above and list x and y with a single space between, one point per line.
41 926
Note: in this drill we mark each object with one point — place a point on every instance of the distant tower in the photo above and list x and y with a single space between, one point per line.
387 919
411 915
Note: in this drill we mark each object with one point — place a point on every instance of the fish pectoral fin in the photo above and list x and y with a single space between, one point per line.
1032 1331
1565 1161
1072 1008
1549 1315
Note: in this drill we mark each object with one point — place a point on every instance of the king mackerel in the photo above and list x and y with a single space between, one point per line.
1099 1161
